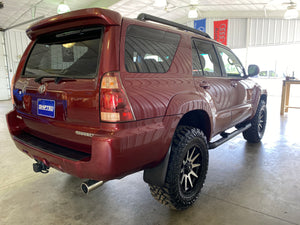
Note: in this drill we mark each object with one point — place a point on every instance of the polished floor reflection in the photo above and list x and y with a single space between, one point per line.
246 184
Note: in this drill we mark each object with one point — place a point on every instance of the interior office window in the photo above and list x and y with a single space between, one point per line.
149 50
232 65
208 59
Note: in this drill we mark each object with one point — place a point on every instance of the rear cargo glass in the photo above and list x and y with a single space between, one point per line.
73 53
149 50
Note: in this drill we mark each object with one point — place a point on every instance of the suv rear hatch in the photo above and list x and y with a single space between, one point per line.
57 92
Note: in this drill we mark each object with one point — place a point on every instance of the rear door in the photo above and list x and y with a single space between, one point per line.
208 78
241 88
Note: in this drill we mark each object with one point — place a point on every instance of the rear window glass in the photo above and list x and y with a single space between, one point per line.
72 53
149 50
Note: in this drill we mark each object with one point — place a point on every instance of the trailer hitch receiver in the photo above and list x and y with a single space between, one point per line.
40 167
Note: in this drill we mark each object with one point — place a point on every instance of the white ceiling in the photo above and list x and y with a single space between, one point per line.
19 11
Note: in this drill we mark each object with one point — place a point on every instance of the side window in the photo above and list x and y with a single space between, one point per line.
208 59
197 68
149 50
232 65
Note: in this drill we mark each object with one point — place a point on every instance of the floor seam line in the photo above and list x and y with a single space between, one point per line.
15 182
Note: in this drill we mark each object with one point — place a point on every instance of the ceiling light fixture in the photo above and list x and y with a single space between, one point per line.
193 14
160 3
63 8
291 12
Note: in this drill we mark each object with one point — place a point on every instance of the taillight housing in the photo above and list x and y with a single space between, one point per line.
12 89
114 103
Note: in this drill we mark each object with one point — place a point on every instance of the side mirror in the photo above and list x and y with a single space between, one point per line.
253 70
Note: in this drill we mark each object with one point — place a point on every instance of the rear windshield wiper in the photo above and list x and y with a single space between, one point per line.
57 78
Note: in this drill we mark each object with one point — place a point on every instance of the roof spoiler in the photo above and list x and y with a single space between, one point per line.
83 17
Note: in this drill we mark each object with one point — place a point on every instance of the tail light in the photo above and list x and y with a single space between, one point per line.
27 103
12 89
114 103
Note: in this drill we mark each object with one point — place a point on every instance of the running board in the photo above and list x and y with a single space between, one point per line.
228 136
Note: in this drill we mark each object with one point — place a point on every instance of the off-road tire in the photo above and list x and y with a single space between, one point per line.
258 124
182 187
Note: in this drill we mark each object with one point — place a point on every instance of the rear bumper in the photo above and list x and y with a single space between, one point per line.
97 166
113 155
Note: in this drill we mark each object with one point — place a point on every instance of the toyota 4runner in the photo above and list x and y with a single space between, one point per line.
100 96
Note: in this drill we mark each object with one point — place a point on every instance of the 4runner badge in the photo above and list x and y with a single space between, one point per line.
42 89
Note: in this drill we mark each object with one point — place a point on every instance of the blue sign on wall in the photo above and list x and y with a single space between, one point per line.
200 25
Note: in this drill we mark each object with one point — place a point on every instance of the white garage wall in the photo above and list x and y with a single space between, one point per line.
15 43
266 32
257 32
4 81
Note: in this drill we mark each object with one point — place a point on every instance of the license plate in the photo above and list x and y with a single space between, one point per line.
46 108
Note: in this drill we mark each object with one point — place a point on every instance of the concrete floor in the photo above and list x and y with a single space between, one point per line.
246 184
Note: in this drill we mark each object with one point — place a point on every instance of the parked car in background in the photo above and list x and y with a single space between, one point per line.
268 74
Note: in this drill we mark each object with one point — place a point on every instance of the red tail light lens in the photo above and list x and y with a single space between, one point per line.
27 103
12 89
114 103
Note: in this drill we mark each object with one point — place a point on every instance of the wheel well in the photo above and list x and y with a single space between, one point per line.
198 119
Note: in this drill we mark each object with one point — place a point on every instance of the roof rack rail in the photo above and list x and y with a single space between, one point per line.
144 16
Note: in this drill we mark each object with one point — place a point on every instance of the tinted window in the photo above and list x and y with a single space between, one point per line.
208 59
73 53
149 50
232 65
197 68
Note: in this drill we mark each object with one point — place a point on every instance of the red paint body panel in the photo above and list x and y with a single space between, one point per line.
116 150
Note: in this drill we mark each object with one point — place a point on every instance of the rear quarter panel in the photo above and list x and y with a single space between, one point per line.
150 93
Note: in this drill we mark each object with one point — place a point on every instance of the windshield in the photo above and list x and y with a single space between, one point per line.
72 53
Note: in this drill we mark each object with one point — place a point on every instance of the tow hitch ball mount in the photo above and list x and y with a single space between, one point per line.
40 166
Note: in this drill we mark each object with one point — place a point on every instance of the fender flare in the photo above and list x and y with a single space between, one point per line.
259 94
185 102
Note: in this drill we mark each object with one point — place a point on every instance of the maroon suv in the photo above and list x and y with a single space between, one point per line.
100 96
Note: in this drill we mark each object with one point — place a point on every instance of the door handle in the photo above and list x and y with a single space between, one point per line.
204 85
233 84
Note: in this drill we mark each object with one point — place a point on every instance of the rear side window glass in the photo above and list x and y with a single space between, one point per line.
208 59
149 50
72 53
197 68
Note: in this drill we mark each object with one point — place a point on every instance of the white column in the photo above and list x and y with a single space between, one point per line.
4 79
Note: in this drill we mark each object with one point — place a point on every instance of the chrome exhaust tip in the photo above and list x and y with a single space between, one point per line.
91 185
